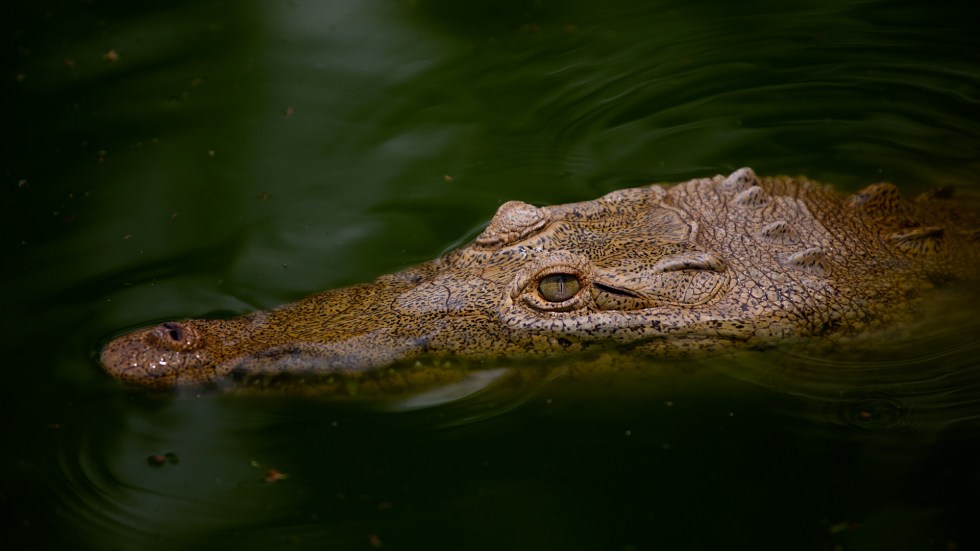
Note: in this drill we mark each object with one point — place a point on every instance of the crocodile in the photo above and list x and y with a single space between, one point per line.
711 264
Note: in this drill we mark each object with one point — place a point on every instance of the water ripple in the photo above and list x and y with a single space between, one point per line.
922 384
678 97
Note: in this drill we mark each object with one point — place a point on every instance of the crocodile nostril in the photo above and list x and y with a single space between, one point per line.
174 331
176 336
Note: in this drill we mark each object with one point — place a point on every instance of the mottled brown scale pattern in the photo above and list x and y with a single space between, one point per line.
707 264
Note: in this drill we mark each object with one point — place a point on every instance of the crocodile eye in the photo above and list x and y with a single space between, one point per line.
555 282
558 287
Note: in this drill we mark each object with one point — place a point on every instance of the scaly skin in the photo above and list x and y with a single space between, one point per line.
662 270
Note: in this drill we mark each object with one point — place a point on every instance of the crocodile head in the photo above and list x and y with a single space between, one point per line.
707 264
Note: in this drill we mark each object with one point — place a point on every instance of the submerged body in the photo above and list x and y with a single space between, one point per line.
708 264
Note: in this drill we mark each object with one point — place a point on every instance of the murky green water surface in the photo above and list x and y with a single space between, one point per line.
181 159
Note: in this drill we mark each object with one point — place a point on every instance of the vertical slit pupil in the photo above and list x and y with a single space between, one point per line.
558 287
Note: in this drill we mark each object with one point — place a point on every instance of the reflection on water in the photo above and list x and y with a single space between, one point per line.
269 469
354 472
234 159
929 392
923 378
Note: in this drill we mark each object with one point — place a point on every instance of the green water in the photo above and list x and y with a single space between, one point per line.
236 155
